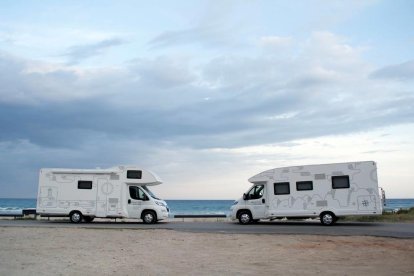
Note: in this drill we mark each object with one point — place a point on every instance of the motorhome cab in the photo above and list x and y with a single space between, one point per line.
118 192
326 191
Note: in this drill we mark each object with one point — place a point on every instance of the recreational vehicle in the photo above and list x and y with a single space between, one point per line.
118 192
327 191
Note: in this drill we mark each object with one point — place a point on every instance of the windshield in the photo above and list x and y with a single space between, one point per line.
149 192
256 192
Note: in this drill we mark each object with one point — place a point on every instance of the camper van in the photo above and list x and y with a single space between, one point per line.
327 191
82 195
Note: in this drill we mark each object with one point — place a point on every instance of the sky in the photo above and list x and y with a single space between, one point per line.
205 93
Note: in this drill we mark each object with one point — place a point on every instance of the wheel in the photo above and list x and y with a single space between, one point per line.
88 219
149 217
76 217
328 218
245 217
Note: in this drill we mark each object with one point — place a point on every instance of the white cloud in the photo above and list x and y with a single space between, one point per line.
275 42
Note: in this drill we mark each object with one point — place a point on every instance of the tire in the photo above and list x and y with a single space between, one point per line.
328 218
88 219
76 217
245 217
149 217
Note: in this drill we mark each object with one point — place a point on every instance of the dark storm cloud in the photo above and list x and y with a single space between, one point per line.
247 107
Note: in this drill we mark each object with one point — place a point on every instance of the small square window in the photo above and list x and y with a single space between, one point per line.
82 184
282 188
304 186
133 174
340 182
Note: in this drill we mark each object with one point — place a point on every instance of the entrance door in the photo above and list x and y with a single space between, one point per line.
101 198
255 199
136 198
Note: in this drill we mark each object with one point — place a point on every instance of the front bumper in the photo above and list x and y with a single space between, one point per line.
163 213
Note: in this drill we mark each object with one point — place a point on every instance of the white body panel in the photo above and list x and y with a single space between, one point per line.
360 198
107 194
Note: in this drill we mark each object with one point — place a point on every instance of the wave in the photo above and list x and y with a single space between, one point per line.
11 209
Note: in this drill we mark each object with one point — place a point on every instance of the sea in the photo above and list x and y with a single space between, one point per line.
184 207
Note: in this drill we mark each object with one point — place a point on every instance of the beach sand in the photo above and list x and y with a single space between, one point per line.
76 251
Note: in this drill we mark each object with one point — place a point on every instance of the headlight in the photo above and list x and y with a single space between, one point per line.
234 203
160 203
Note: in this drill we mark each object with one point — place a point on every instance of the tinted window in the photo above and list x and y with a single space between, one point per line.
134 174
282 188
82 184
340 182
137 193
304 185
256 192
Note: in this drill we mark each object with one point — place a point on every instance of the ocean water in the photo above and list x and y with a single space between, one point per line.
187 207
177 207
199 207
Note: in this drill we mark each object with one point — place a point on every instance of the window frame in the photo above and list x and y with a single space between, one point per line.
139 172
145 197
333 178
281 183
304 182
84 182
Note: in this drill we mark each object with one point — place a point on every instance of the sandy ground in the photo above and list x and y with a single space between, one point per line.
62 251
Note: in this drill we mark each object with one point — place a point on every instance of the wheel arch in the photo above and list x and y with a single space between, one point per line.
327 211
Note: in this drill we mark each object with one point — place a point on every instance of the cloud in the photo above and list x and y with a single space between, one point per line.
327 88
275 42
216 26
163 72
403 71
31 82
153 111
78 53
207 35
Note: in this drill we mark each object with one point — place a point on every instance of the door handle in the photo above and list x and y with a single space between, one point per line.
263 200
129 201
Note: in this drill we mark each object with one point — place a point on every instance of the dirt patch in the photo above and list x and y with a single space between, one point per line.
46 251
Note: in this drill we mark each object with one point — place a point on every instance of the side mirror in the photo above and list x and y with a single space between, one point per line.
245 197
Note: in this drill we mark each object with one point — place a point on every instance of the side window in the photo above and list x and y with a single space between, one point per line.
304 185
137 193
256 192
340 182
86 185
282 188
133 192
134 174
141 194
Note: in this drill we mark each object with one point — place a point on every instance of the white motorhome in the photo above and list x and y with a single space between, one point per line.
118 192
326 191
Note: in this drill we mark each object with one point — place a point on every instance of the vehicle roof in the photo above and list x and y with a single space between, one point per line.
264 174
